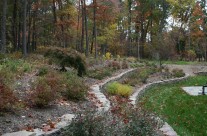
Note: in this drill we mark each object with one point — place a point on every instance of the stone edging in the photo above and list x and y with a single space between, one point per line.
100 96
201 73
166 128
67 118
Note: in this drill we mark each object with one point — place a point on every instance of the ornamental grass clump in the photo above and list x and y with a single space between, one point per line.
116 88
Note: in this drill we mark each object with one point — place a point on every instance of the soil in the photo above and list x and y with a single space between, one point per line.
23 118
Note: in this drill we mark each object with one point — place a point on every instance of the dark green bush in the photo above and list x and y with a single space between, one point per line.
67 57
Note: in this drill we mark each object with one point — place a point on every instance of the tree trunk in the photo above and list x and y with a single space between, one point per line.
54 12
129 27
83 28
94 27
14 26
86 29
34 33
19 31
77 29
92 42
29 29
3 31
24 29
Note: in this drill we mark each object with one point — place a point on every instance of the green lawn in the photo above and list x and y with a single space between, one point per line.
183 62
176 62
186 114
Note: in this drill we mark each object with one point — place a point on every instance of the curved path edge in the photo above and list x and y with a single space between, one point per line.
67 118
166 128
100 96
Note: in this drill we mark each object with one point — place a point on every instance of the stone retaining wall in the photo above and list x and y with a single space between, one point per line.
139 93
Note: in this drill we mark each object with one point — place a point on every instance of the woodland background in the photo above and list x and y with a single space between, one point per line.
154 29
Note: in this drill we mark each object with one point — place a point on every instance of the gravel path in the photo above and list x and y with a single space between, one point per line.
188 69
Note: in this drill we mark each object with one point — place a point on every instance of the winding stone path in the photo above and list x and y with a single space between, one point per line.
100 96
67 118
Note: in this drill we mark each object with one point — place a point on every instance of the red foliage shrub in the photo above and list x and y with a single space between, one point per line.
124 65
7 97
114 65
42 94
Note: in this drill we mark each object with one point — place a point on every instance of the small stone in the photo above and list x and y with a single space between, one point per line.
20 133
67 117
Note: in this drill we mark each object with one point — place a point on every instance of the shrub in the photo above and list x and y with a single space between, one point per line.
42 71
7 76
118 57
140 123
70 58
114 65
143 75
7 97
191 55
178 73
124 65
26 67
116 88
16 66
138 76
75 87
2 56
42 93
131 59
16 55
100 73
55 81
108 55
90 123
